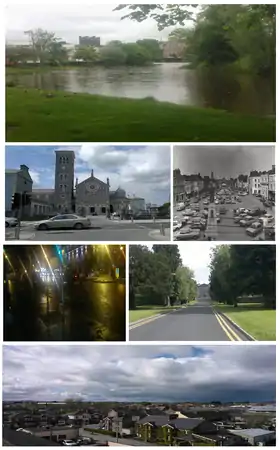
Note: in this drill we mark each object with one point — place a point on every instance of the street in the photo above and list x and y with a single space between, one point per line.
227 230
102 229
105 438
198 322
92 311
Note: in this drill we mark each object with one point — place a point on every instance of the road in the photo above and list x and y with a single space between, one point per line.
105 438
102 230
92 311
198 322
227 229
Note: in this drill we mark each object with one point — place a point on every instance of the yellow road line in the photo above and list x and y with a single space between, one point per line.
226 328
144 322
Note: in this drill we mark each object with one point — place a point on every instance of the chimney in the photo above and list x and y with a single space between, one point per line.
108 182
92 173
76 183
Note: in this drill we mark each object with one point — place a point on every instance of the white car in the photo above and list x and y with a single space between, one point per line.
69 443
11 222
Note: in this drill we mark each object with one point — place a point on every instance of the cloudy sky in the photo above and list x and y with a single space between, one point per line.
77 19
143 171
227 161
139 373
196 256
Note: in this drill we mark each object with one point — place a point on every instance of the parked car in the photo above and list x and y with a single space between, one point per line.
254 229
11 222
223 210
69 443
64 221
187 234
257 212
247 221
176 225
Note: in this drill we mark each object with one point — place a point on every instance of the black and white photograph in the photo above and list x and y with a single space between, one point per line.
224 193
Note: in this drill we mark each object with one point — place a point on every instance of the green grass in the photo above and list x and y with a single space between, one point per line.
148 311
33 116
257 320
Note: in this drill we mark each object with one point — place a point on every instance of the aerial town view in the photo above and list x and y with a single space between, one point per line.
139 395
224 193
87 193
64 292
136 73
202 292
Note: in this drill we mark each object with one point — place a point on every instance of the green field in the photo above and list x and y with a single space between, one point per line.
148 311
258 321
35 116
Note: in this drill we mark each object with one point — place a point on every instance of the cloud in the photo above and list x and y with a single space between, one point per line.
35 175
138 373
70 20
141 171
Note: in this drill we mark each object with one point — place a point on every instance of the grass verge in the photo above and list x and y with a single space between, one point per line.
254 318
35 116
142 312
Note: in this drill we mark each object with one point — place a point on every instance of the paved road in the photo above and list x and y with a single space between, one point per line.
103 438
227 229
102 230
198 322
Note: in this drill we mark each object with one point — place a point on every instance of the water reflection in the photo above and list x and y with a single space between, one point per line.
216 88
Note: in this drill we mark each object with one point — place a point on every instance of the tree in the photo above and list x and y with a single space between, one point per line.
152 46
172 253
112 55
165 16
86 53
136 55
19 54
187 289
46 47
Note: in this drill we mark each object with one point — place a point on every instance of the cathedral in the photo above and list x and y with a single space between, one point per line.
89 197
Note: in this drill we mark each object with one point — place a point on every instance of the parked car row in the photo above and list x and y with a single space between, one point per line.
254 220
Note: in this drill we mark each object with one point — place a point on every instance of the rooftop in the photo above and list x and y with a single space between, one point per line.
23 439
251 432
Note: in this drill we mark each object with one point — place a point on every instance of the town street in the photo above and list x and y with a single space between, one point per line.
198 322
102 230
228 230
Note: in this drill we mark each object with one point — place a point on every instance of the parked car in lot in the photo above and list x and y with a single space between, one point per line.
254 229
187 234
257 212
11 222
269 217
69 443
247 221
176 225
223 210
64 221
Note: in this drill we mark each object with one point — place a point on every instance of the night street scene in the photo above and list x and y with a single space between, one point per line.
224 193
87 193
58 293
132 395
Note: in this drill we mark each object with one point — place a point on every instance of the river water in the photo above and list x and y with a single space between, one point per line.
170 82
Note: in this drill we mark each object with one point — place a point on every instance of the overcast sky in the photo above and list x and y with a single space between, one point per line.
139 373
196 256
140 170
68 22
229 161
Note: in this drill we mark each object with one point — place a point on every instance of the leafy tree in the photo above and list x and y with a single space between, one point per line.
164 15
112 55
86 53
19 54
187 289
153 48
46 47
136 55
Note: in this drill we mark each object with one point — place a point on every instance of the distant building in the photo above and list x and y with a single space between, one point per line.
203 291
255 436
93 41
173 49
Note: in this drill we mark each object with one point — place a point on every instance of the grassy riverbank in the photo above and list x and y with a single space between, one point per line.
34 115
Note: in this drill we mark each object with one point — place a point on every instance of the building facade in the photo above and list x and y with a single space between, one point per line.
92 196
93 41
17 181
255 182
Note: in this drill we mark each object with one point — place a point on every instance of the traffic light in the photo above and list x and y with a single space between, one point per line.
16 201
26 199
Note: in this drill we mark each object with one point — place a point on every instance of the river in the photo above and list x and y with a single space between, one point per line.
166 82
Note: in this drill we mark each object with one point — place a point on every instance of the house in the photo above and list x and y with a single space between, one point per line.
168 429
256 436
255 182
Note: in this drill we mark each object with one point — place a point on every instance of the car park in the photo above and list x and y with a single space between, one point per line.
247 221
187 234
64 221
